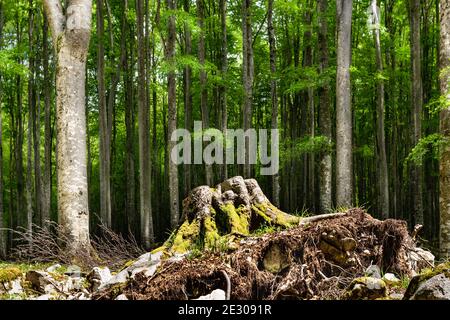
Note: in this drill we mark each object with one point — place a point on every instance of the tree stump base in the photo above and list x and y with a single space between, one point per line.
214 218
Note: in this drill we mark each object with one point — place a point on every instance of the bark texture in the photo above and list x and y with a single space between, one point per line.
344 155
147 235
444 169
325 182
383 183
417 103
71 35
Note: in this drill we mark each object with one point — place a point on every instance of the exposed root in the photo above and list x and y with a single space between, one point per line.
317 260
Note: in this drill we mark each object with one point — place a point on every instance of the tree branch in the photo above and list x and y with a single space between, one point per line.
55 16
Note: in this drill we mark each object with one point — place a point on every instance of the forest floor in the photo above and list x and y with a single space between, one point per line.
353 256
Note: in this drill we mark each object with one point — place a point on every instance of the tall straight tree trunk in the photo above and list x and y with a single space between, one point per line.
325 180
2 232
20 199
273 94
71 34
344 155
203 79
104 154
309 188
47 178
187 95
223 87
417 103
383 182
31 107
147 235
172 116
248 75
444 168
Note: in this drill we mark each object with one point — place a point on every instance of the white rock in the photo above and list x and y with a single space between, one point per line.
98 276
373 271
53 268
15 287
121 277
148 271
44 297
121 297
217 294
391 279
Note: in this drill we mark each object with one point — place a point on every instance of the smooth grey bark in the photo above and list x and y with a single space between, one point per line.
383 182
444 168
31 106
224 69
248 75
172 117
187 78
2 232
47 177
130 172
147 235
326 169
417 103
344 155
203 80
71 34
273 94
104 132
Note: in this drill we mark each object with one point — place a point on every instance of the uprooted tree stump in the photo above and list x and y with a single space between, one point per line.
216 217
317 260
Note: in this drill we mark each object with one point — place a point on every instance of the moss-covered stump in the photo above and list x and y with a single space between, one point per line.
214 218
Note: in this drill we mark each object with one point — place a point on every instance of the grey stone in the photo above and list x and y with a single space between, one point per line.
391 279
366 288
121 277
373 271
53 268
419 258
15 287
435 288
217 294
98 276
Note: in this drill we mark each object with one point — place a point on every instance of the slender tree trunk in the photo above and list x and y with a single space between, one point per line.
326 172
147 235
172 117
444 169
31 107
187 81
248 75
383 183
223 87
416 98
273 94
104 154
71 33
47 179
203 79
2 232
344 154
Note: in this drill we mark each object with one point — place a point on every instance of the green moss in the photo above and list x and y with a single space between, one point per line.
9 274
238 218
280 218
185 236
211 233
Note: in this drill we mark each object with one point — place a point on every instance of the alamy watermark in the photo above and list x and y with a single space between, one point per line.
208 146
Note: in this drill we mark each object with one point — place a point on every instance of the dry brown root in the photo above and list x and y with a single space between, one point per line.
313 261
